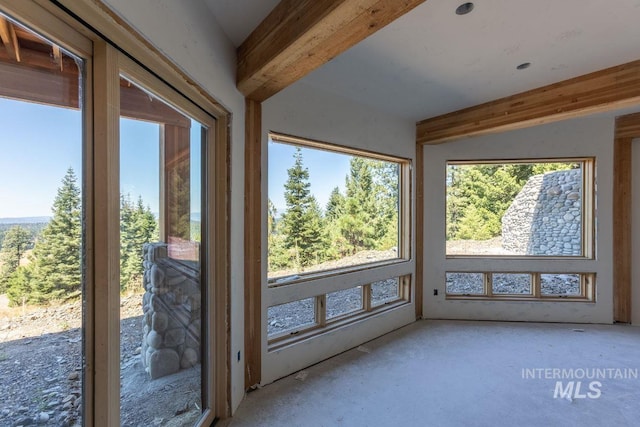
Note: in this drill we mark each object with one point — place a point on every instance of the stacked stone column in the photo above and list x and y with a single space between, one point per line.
545 217
172 313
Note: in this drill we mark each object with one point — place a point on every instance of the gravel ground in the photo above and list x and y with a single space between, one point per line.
41 376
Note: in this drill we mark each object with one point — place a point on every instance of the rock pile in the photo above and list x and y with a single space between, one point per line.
172 313
545 217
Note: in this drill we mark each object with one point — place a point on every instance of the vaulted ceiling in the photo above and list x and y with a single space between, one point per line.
432 61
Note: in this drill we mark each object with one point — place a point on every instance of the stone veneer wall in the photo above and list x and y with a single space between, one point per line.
545 217
172 313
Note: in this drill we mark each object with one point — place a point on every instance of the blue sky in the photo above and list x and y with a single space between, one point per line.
37 146
327 170
39 143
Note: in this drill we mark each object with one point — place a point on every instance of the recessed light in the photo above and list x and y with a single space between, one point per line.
464 8
523 66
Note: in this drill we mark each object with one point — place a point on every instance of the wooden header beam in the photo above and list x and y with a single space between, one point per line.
603 90
53 87
299 36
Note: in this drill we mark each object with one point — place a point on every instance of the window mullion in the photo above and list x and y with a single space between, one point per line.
106 192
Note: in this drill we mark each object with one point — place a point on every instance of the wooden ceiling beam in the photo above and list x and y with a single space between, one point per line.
299 36
38 85
9 39
604 90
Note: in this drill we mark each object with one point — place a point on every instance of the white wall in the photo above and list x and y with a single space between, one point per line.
304 111
186 32
572 138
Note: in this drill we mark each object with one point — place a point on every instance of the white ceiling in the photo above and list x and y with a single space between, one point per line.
432 61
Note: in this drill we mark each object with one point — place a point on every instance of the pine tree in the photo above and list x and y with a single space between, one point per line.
385 193
20 286
56 265
479 195
312 234
277 257
301 222
335 243
335 205
357 223
137 227
16 241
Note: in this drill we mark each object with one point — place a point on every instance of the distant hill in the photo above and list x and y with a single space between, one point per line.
26 220
33 224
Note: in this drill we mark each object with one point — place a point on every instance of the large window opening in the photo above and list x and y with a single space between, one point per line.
335 215
330 210
161 284
41 230
520 209
525 211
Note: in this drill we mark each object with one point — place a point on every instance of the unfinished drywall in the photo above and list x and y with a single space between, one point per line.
187 33
304 111
583 137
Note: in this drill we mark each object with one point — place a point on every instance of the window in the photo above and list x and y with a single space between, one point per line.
61 96
527 212
521 286
520 209
161 199
303 318
334 215
42 230
331 209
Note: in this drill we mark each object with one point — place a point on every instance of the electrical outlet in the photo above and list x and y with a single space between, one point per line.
435 292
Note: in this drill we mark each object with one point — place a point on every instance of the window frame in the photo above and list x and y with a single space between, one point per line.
319 284
324 324
588 219
404 208
79 27
587 288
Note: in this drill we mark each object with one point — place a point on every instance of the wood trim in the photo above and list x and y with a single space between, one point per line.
299 36
419 232
89 246
627 128
603 90
175 147
335 148
106 233
221 174
366 297
321 310
253 244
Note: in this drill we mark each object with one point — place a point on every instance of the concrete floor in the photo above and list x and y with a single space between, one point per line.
458 373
